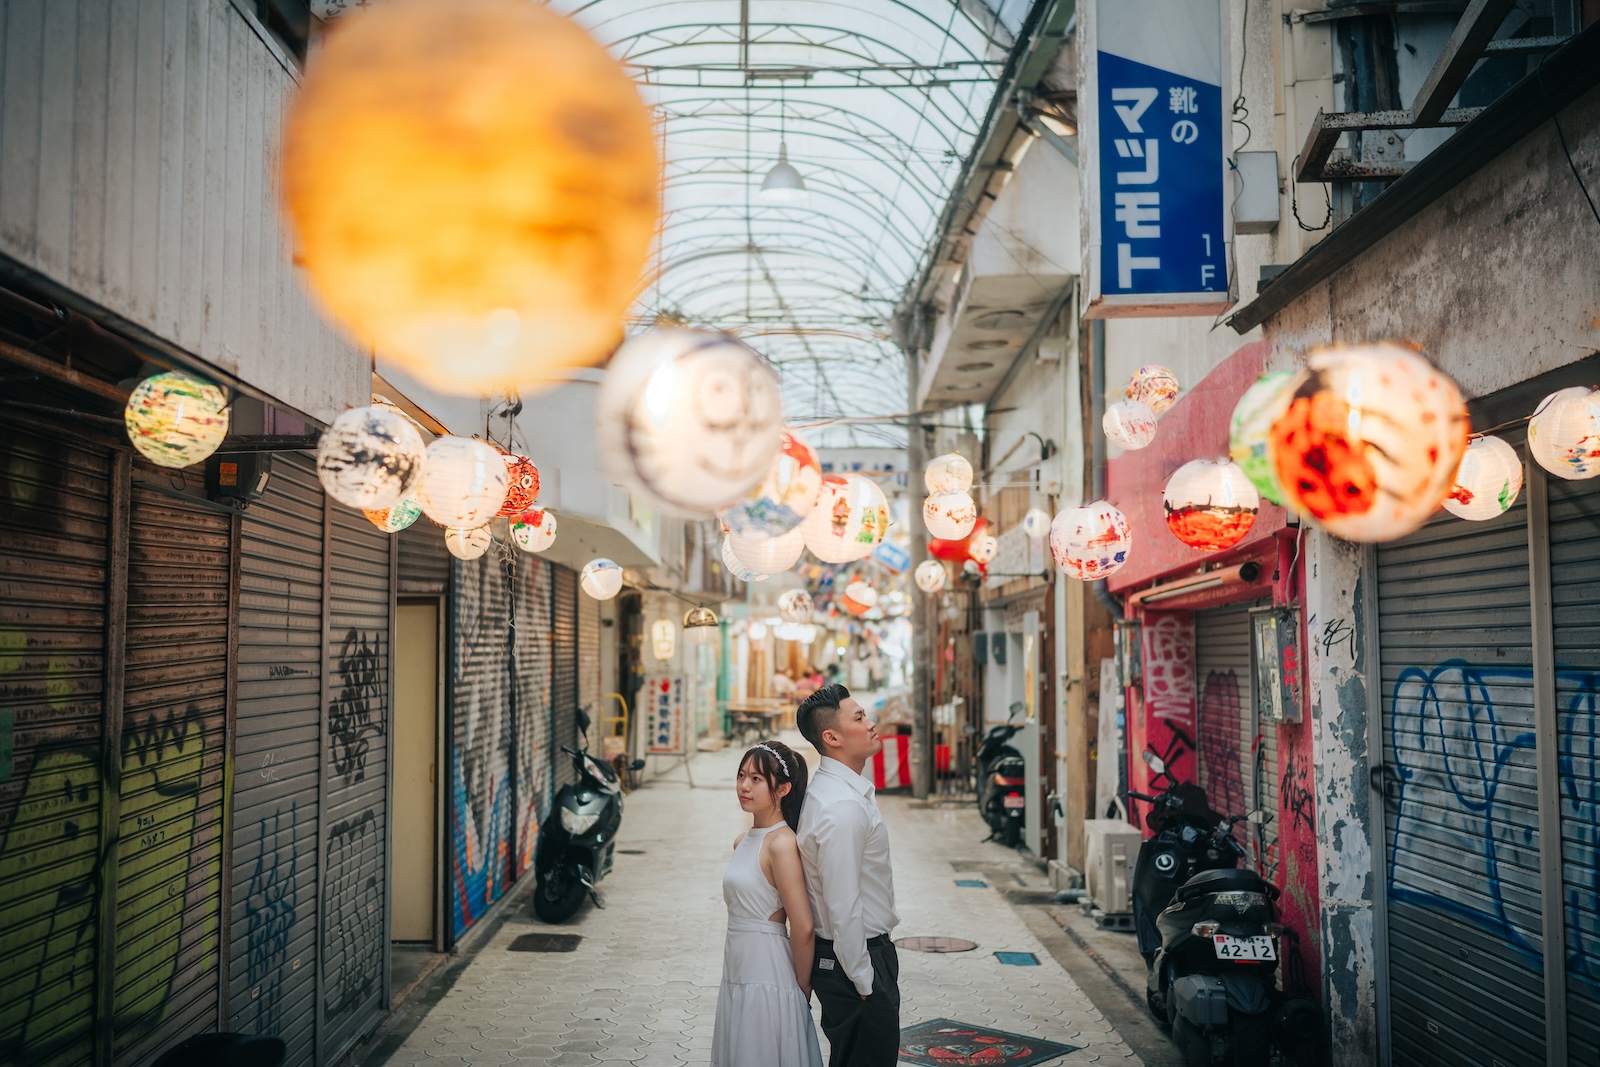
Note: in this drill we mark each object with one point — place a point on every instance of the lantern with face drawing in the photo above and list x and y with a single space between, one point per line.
691 420
849 520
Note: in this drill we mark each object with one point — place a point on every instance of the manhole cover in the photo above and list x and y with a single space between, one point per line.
630 851
546 943
936 944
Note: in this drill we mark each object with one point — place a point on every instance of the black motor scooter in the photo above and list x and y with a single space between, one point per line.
1002 784
577 843
1208 931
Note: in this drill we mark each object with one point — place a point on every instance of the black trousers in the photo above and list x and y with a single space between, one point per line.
861 1033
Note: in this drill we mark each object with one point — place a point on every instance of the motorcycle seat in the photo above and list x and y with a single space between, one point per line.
1222 881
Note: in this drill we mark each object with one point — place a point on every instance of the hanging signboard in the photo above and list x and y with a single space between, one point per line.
663 709
1153 141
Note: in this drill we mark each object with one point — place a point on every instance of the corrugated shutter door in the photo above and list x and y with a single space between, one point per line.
564 681
355 873
424 561
278 715
480 787
169 852
1461 824
1226 719
1575 597
53 559
589 695
533 675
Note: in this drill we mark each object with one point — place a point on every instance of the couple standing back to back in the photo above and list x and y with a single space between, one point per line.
810 903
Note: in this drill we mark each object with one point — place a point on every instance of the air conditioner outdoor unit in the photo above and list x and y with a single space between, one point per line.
1112 846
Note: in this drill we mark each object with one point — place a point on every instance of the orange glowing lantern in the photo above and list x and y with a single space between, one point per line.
473 186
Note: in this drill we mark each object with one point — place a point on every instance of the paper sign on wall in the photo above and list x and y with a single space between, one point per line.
1154 153
663 706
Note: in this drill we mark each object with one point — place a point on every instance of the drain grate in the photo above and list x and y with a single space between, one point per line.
546 943
1018 959
972 883
936 944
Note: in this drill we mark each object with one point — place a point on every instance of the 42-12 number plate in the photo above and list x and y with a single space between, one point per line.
1259 947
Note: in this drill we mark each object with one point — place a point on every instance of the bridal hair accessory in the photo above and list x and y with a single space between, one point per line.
781 761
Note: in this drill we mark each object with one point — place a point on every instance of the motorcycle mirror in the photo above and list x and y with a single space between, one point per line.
1016 708
636 765
1259 817
582 718
1155 762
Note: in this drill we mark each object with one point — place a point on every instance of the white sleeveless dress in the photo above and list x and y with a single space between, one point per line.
763 1020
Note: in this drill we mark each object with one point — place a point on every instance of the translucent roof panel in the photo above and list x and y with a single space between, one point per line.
876 103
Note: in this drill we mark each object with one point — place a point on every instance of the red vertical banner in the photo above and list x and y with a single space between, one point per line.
1162 709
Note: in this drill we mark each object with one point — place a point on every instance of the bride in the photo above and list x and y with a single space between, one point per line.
764 1006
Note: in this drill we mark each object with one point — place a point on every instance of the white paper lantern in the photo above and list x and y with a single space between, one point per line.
736 568
1210 504
534 530
1090 542
176 419
985 549
1487 482
861 593
700 627
949 515
396 518
691 420
1129 425
948 473
601 578
795 606
1036 524
369 457
467 543
1564 433
849 520
757 632
463 482
785 496
768 555
930 576
663 639
1154 386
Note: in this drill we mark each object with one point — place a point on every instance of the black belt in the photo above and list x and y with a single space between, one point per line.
872 942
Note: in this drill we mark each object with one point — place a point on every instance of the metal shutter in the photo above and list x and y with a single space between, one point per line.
1460 815
277 781
480 768
1226 714
354 952
533 681
55 530
424 561
1575 598
564 680
174 742
589 695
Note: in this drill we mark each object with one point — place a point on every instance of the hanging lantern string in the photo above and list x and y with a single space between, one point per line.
1503 426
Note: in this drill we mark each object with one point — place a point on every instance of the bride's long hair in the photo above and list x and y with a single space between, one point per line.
781 765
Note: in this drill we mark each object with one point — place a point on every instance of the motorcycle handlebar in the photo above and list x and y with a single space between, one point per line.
1143 797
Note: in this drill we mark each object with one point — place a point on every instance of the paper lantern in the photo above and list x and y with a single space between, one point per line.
1036 524
467 544
700 627
853 606
861 593
985 548
795 606
663 639
522 485
534 530
959 551
736 568
1487 482
396 518
175 419
1250 426
689 419
930 576
1090 542
948 473
849 520
785 496
1564 433
768 555
757 632
369 457
601 578
473 188
949 515
1370 441
1210 504
1129 425
1153 386
463 482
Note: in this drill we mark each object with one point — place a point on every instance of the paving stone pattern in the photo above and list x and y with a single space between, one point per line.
642 987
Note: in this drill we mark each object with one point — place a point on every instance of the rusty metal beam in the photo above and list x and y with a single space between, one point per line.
1461 52
1326 130
51 369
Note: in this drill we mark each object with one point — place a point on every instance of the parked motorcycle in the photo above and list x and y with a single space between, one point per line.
577 843
1208 931
1002 784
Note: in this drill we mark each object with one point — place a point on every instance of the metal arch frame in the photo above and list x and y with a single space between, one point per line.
797 238
709 212
797 107
828 186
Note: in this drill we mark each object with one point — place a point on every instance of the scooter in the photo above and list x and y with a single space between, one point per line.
577 844
1209 935
1002 782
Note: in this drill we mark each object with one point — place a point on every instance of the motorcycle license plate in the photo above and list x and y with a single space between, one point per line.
1244 948
1015 800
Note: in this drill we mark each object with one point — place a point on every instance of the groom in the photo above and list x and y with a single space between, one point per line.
845 850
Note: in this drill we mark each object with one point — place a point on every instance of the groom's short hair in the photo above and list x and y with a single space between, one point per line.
819 712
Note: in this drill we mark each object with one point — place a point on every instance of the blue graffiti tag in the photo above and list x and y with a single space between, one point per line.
270 909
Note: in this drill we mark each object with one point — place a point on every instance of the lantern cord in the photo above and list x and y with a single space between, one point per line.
1503 426
1562 137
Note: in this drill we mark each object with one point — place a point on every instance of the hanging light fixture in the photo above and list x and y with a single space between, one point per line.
795 606
930 576
663 639
700 626
783 184
467 544
175 419
601 578
534 530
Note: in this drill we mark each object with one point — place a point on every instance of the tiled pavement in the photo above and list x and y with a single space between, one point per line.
642 987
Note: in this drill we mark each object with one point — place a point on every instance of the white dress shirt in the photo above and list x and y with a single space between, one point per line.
845 847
